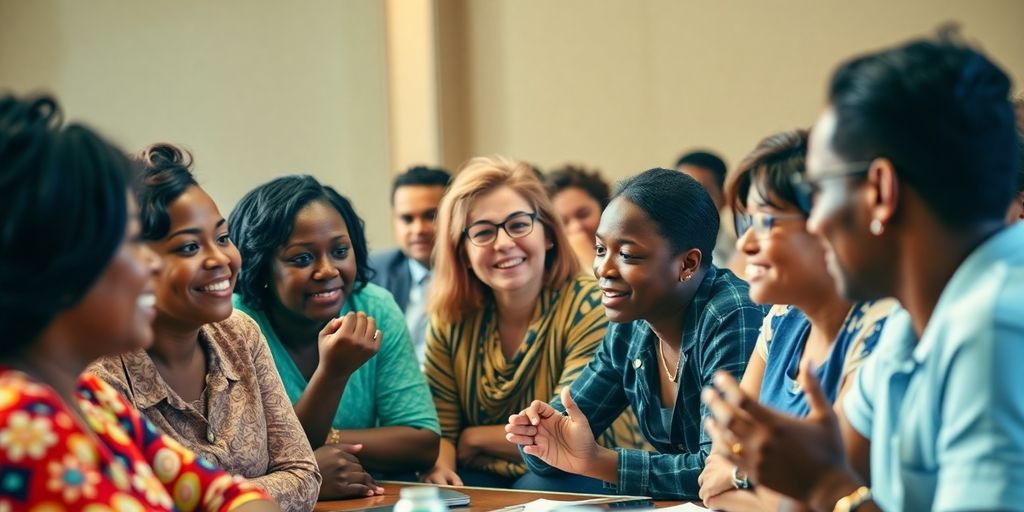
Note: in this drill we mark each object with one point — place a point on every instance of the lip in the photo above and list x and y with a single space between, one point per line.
497 264
325 297
146 303
223 293
755 271
612 297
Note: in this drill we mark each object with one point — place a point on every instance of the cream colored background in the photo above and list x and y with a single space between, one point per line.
260 88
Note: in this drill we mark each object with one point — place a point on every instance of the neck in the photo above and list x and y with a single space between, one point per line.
517 305
293 331
928 262
827 311
515 311
174 343
668 322
58 369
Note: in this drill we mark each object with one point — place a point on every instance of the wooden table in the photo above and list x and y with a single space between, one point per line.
481 499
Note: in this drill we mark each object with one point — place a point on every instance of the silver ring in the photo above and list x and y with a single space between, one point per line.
376 335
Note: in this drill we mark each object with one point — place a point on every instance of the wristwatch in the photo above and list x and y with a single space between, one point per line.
854 500
740 481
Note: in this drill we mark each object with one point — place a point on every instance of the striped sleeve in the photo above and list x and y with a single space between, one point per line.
439 368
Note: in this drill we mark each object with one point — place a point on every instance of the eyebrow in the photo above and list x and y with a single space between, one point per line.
307 244
509 216
194 230
620 241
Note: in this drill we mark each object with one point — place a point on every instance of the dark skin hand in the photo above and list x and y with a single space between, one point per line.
343 475
802 458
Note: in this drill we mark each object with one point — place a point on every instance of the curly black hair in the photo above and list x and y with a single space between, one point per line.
263 220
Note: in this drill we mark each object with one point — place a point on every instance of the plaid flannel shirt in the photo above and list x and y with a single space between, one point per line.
720 330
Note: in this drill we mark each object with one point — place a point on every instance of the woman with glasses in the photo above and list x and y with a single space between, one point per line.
676 319
810 323
339 342
76 285
512 319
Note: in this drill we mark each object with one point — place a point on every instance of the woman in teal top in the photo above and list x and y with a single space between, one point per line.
335 337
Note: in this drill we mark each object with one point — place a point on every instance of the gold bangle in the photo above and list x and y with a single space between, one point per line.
854 500
333 437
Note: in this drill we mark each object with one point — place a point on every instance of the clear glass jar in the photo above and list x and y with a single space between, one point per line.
420 498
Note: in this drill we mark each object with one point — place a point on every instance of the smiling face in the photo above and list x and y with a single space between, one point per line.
117 312
638 273
315 270
200 262
579 211
508 264
787 264
415 211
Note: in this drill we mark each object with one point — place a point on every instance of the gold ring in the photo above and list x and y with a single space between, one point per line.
737 449
376 334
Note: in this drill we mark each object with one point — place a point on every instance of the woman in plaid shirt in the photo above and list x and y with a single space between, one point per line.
676 319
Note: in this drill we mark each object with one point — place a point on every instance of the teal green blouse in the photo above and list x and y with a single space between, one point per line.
388 390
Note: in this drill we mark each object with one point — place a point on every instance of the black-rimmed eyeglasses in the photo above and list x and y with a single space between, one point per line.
483 233
807 186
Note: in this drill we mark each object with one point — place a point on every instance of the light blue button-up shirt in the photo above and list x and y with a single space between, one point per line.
945 414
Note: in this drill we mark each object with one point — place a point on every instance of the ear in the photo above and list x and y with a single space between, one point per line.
689 264
884 194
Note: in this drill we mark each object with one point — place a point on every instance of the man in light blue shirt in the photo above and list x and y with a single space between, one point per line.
910 172
405 271
944 412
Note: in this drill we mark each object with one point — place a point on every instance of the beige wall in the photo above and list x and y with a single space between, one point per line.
259 88
628 85
254 88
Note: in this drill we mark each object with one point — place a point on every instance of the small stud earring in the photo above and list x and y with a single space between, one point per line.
876 227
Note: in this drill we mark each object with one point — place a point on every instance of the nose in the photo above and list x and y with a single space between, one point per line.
216 258
604 267
748 243
814 222
502 240
325 269
421 226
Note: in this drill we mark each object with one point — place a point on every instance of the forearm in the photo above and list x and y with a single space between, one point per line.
833 487
318 404
394 448
660 475
490 440
446 455
295 489
604 466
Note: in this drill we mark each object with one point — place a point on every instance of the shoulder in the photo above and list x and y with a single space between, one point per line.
580 291
730 297
111 369
18 392
381 260
780 318
236 334
376 301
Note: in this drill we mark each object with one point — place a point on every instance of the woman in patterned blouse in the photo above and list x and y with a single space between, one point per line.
208 380
512 319
74 286
811 321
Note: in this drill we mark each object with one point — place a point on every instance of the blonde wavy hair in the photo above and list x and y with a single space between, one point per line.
455 291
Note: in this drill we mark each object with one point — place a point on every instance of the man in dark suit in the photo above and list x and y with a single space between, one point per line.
405 270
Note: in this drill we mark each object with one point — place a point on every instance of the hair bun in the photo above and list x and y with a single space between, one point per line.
163 155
